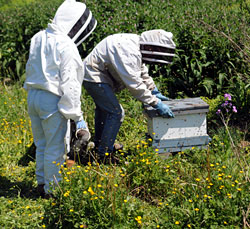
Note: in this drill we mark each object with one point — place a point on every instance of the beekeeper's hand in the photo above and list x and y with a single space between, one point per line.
81 125
164 110
159 95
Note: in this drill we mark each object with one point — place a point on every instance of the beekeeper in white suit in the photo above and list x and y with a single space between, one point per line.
54 75
118 62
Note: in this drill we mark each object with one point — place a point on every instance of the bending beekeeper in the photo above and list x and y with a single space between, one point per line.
118 62
54 75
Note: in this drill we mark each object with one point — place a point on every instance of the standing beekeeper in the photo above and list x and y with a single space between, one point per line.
54 75
118 62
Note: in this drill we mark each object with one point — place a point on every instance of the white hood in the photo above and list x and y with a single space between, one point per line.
75 20
157 46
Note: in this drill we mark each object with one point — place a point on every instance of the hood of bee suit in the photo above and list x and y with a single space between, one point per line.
75 20
157 46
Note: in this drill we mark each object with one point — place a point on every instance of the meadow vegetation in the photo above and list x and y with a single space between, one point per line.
196 188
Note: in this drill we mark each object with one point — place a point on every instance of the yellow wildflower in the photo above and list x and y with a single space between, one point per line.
90 190
138 219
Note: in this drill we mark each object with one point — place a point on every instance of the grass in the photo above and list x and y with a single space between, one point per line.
192 189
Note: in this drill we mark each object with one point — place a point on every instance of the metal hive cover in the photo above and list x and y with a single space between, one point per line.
181 106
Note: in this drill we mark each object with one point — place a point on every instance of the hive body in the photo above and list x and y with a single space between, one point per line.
188 129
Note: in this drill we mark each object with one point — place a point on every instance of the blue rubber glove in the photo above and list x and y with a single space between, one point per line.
81 125
159 95
164 110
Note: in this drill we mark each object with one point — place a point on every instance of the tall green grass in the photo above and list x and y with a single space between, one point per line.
196 188
192 189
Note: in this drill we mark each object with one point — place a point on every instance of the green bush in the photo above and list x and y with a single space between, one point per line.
18 25
211 47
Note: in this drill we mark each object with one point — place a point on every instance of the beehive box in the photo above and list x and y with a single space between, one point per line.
188 129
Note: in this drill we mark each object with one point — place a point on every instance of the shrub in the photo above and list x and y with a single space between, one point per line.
211 47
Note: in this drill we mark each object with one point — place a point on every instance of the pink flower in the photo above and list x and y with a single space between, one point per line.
227 96
218 111
234 109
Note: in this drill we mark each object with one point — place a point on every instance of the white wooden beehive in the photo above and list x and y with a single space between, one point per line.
188 129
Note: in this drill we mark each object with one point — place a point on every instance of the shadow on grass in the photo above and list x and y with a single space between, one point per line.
30 155
23 189
10 188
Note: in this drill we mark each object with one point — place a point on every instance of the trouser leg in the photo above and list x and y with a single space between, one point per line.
38 136
100 118
40 142
55 128
106 103
49 129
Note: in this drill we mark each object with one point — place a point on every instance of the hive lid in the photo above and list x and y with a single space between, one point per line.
181 106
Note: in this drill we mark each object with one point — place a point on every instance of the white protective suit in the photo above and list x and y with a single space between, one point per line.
54 75
118 61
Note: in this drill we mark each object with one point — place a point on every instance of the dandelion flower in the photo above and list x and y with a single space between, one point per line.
197 209
177 222
90 190
138 219
125 201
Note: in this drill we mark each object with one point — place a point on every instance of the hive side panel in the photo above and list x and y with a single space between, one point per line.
182 126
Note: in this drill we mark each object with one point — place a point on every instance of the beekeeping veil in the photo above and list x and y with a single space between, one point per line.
157 46
74 19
